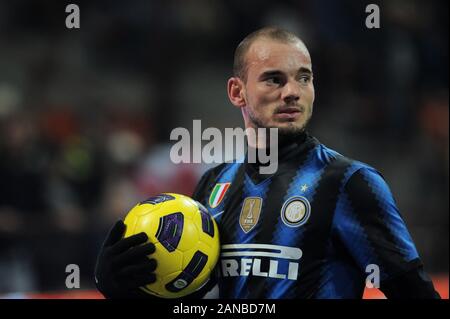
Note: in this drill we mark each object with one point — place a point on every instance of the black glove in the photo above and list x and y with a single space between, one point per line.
123 266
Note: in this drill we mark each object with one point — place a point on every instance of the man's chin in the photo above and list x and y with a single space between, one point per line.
291 129
285 129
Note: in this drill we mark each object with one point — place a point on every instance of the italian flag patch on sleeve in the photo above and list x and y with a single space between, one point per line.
217 194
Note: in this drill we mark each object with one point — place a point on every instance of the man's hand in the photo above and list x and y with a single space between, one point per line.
123 266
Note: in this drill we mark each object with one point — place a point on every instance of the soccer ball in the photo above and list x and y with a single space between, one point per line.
186 239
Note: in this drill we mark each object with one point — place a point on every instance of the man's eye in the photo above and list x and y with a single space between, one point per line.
273 80
305 79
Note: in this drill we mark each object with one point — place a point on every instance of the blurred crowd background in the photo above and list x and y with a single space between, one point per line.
86 114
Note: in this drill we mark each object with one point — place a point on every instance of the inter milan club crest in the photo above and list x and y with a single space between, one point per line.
251 209
295 211
218 193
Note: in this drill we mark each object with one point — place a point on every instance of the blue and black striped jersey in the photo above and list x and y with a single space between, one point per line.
315 229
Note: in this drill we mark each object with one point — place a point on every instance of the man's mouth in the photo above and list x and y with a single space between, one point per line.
290 109
288 112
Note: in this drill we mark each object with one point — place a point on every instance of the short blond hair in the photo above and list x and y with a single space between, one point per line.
272 33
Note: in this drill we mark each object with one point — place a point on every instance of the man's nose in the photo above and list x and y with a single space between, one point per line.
291 92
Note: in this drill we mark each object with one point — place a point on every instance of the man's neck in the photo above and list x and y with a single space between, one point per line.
286 144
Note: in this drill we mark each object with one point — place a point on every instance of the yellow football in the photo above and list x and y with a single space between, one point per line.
186 238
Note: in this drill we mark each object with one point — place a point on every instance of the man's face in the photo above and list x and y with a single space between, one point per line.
279 91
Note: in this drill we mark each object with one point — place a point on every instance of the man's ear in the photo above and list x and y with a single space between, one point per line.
235 89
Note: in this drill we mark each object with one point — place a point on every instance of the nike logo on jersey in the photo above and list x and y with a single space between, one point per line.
218 214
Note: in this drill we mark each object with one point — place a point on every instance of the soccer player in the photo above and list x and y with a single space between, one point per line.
316 228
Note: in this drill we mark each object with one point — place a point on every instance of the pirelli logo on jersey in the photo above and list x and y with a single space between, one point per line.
247 259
